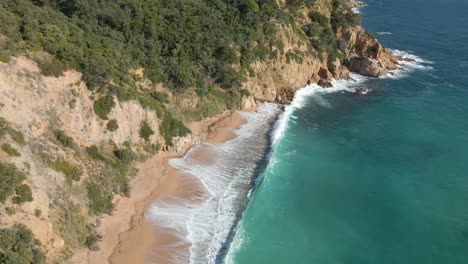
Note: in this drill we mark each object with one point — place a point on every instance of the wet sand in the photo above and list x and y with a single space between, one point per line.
127 236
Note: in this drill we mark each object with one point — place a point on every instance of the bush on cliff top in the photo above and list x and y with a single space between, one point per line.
63 139
10 178
23 194
145 131
112 125
103 106
171 127
11 151
18 246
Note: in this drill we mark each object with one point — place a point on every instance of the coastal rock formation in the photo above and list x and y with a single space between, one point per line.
324 83
360 52
340 72
365 55
325 74
248 103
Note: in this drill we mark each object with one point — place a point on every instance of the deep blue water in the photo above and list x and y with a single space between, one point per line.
377 179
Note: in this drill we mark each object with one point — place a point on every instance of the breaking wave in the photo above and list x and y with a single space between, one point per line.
204 220
409 64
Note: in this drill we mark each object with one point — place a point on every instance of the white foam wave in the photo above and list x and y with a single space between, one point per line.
384 33
409 63
303 95
356 10
204 222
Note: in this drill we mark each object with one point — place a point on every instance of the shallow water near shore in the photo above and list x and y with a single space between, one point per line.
373 179
214 182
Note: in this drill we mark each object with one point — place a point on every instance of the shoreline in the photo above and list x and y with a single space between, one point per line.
127 236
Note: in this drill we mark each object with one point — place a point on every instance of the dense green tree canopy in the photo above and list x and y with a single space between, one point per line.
181 43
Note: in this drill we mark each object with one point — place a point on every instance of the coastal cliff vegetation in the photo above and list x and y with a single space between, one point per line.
94 86
183 44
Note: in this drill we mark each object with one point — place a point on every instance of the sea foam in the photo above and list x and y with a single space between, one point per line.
204 221
301 98
356 10
406 67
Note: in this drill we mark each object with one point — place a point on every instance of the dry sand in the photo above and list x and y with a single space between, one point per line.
127 237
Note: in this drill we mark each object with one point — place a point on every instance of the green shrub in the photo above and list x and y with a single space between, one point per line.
71 172
38 212
145 131
10 150
72 222
10 178
122 93
93 151
245 92
17 136
100 201
249 6
4 57
159 96
63 139
112 125
113 178
319 18
23 194
72 103
52 67
151 103
125 155
18 246
10 211
171 127
91 242
3 126
103 106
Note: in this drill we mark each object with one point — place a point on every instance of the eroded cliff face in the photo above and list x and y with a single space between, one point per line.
278 78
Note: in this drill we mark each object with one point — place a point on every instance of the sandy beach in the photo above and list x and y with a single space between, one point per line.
127 237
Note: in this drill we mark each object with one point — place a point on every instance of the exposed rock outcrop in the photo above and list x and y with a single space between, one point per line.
324 83
248 103
360 53
364 53
339 71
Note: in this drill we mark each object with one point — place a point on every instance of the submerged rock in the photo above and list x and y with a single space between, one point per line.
363 91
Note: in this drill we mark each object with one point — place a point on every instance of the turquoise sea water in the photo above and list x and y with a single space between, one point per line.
377 179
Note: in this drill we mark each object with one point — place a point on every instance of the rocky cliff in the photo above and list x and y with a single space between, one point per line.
360 52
